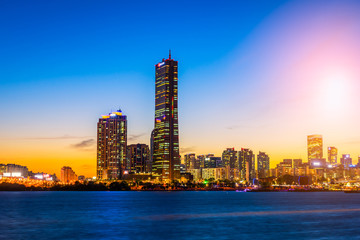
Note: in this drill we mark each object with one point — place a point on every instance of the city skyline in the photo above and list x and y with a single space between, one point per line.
246 92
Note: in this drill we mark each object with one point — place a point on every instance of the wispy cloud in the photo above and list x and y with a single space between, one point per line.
87 166
56 137
187 149
84 145
134 137
233 127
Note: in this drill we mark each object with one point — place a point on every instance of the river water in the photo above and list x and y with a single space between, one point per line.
179 215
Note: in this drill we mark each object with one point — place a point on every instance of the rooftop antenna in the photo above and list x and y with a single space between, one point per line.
169 53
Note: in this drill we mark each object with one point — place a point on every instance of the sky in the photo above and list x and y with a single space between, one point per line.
252 74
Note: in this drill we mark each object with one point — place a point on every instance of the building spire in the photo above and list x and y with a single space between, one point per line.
169 53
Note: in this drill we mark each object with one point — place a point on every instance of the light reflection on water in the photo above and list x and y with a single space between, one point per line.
179 215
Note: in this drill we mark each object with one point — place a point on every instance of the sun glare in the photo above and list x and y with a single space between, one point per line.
336 91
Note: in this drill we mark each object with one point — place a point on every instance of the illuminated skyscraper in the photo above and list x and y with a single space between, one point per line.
315 147
111 146
263 163
166 159
246 160
332 155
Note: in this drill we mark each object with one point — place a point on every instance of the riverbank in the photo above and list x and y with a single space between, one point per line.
123 186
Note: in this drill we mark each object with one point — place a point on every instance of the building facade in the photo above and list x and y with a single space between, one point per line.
246 164
166 158
111 146
68 175
229 158
190 161
263 163
138 157
332 155
315 147
346 160
13 170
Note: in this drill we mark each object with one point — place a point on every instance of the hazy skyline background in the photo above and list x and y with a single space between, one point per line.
260 75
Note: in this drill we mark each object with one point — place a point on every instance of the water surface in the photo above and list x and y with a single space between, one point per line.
179 215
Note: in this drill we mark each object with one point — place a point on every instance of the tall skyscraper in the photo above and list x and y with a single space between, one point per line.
332 155
166 159
315 147
263 163
138 158
111 146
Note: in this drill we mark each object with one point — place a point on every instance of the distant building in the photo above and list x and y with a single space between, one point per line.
152 147
246 160
212 162
182 168
284 168
229 158
138 158
332 155
44 176
297 163
214 173
111 146
190 161
201 160
287 162
346 160
263 163
67 175
317 163
298 167
315 147
196 174
13 170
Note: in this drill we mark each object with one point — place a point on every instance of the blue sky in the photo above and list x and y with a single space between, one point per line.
64 63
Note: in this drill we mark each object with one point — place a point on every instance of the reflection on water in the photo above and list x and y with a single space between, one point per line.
240 214
179 215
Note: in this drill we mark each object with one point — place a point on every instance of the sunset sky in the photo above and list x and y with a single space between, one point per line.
254 74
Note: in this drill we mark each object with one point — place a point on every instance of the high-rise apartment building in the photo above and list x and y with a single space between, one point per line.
111 146
332 155
229 158
190 161
138 156
230 161
263 164
166 159
246 160
346 160
201 159
315 147
67 175
212 162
